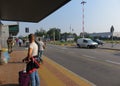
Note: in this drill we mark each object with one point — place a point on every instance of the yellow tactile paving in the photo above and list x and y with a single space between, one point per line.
50 78
79 80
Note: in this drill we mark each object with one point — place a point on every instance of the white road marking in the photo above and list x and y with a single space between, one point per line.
89 56
118 63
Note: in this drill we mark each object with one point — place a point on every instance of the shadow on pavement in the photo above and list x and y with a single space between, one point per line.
19 62
9 85
118 54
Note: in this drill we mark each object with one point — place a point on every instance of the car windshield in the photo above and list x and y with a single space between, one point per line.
98 40
89 40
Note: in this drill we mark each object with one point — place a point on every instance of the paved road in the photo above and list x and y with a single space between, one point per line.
114 46
99 66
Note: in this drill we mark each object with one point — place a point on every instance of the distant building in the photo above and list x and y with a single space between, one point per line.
105 34
70 38
116 34
6 31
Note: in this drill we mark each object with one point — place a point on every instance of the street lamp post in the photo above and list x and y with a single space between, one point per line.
83 2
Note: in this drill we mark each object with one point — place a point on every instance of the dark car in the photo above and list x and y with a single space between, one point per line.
100 42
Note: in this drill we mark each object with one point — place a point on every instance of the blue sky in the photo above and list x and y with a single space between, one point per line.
100 15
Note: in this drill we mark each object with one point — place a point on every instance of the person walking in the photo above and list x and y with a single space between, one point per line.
41 49
20 42
32 52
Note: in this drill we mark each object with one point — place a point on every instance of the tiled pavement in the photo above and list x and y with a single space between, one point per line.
51 73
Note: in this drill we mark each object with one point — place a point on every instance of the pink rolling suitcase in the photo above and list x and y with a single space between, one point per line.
24 79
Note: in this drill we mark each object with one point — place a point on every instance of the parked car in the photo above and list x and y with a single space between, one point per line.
100 42
86 42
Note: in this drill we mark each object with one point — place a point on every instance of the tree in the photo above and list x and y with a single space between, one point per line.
54 33
41 33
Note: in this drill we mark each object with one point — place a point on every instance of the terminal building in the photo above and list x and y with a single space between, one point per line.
6 31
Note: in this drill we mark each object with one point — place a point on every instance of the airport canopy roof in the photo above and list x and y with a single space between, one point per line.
28 10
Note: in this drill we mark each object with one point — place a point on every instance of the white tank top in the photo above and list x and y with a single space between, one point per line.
34 47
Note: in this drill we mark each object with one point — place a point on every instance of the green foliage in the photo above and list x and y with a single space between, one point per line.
54 32
77 37
66 43
41 33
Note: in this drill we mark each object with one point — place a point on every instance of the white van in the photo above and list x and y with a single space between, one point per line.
86 42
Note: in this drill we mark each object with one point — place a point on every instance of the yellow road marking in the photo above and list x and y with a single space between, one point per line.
50 78
79 80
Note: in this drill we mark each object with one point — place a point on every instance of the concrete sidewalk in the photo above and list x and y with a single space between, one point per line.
51 73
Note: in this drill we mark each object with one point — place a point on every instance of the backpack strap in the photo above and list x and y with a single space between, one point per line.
38 46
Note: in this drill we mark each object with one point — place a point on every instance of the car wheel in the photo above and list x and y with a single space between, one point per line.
88 46
78 45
